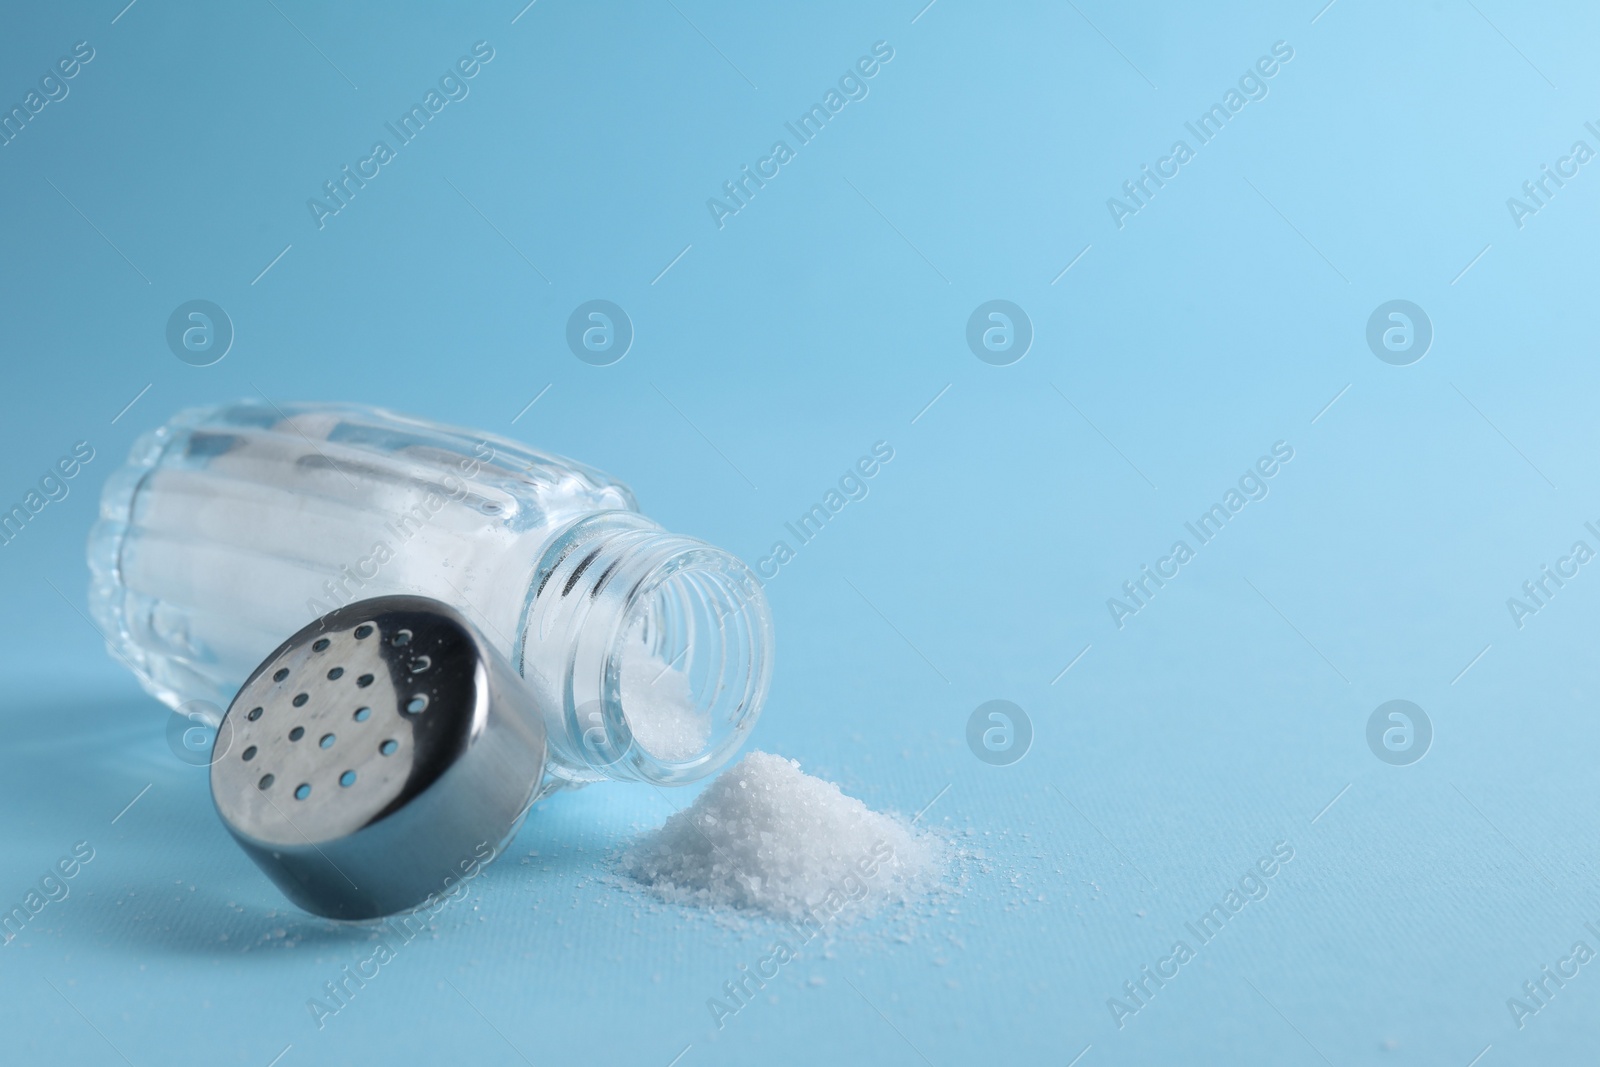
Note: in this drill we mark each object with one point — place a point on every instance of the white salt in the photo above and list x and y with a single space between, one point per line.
767 837
662 713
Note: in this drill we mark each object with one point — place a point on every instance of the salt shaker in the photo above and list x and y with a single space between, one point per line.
231 527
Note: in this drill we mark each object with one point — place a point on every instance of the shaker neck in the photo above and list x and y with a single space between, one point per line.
650 652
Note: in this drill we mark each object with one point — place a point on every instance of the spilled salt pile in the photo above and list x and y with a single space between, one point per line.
662 713
765 836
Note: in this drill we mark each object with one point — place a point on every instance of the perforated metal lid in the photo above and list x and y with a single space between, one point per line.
376 755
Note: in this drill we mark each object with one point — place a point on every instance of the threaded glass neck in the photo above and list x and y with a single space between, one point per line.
650 652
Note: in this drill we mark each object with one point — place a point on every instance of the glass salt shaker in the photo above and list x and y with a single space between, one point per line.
231 527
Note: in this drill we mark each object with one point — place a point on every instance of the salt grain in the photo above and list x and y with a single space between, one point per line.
662 713
767 837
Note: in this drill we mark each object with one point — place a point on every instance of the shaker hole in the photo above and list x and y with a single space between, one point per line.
364 681
335 674
320 645
362 714
300 699
266 782
388 747
280 674
302 790
255 713
297 733
420 664
401 637
250 753
327 741
417 704
363 631
347 779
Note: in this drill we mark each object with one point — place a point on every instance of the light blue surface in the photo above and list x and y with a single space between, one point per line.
1223 317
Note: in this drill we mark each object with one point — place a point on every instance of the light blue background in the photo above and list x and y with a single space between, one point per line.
824 317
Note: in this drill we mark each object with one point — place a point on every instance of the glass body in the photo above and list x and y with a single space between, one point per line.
232 527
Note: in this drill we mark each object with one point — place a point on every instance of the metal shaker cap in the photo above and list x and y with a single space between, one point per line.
378 757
